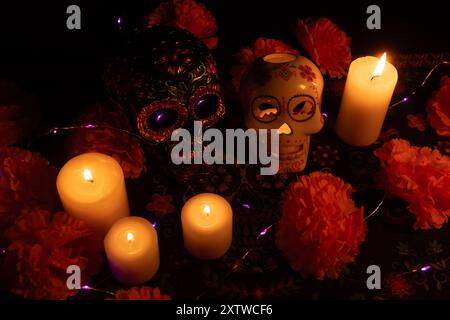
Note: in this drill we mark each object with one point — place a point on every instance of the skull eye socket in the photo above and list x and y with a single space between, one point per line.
301 108
265 108
157 120
162 119
206 104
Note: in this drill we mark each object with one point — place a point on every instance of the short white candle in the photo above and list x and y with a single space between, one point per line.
131 246
207 221
367 95
92 188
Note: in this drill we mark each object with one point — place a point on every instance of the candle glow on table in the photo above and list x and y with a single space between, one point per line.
92 188
207 221
367 95
131 246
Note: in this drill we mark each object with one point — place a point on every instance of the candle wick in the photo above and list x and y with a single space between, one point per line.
374 76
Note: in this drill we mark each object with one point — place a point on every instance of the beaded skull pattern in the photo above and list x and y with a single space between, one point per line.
164 78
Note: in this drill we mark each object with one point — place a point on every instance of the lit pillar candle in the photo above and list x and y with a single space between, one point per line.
367 95
92 188
131 246
207 221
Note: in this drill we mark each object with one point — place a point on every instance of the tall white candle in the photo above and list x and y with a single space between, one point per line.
367 95
207 221
131 246
92 188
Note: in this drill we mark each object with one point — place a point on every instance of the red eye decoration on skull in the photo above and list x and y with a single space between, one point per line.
265 108
301 107
157 120
206 104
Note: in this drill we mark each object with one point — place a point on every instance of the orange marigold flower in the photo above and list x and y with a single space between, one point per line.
320 229
420 176
122 146
416 121
26 181
326 44
42 247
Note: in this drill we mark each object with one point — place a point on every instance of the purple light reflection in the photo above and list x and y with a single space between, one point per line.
425 268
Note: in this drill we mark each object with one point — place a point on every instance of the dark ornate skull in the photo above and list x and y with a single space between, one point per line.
165 78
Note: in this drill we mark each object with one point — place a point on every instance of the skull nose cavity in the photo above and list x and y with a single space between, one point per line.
284 129
279 57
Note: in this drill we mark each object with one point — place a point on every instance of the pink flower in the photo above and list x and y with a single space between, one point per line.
307 73
327 45
420 176
416 121
320 229
259 48
438 108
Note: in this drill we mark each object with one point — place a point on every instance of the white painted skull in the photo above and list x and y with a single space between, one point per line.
283 91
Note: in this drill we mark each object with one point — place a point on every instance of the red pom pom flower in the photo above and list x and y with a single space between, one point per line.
26 180
188 15
326 44
320 229
259 48
143 293
122 146
420 176
438 108
41 249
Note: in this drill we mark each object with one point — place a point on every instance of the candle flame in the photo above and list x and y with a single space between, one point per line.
130 236
88 175
207 210
380 66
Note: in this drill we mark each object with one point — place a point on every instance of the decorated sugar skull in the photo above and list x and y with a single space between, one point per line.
283 91
165 78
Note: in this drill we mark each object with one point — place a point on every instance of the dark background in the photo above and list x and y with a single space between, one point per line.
63 67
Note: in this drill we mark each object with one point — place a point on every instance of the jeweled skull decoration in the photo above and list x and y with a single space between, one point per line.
165 77
283 91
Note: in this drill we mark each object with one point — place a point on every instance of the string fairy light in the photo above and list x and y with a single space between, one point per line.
89 288
56 130
424 82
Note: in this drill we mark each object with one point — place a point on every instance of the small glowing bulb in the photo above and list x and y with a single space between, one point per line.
380 67
88 175
207 210
130 236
